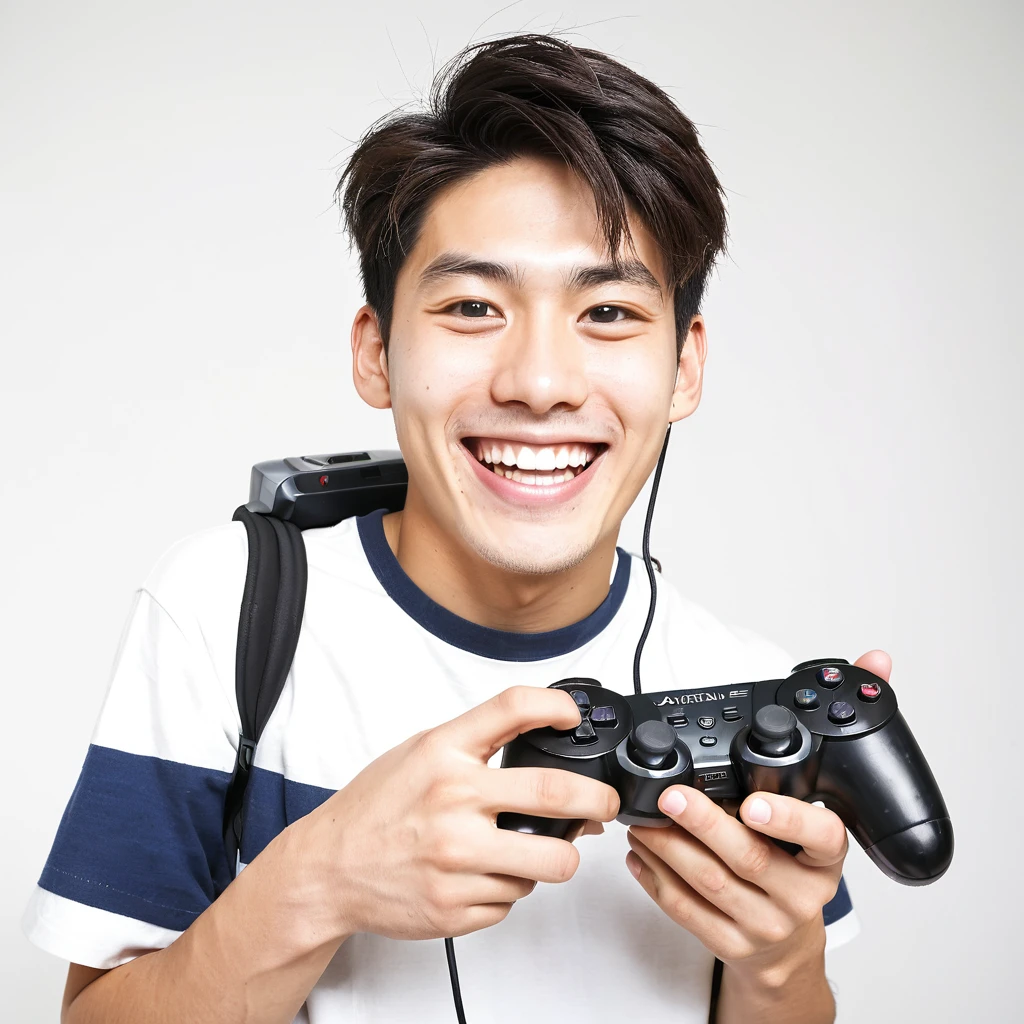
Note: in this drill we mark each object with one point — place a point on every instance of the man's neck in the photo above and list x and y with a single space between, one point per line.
461 581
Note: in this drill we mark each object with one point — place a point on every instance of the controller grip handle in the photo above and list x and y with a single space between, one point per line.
556 828
520 754
918 855
881 786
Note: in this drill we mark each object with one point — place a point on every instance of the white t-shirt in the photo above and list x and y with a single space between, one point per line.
139 852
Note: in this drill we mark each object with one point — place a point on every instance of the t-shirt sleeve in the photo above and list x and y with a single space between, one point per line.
139 852
841 923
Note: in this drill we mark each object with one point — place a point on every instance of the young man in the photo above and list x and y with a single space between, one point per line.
534 250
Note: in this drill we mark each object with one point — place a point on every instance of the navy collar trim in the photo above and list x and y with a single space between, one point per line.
496 644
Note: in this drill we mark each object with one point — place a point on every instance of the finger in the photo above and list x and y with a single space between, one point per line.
691 911
746 854
479 916
550 793
485 729
707 876
821 833
472 889
877 662
540 858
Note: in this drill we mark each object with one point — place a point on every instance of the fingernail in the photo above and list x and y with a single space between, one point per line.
633 863
673 802
759 811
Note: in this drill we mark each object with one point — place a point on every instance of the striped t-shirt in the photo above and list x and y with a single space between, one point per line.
139 852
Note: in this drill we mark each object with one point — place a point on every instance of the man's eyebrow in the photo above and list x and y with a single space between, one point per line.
627 272
457 264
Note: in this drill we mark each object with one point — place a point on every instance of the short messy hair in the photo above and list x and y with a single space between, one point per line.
537 95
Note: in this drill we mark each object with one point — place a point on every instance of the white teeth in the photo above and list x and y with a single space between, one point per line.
534 479
526 458
542 466
546 459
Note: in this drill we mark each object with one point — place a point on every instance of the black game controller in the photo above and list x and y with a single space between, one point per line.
830 732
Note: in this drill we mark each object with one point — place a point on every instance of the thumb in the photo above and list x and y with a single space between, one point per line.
485 729
877 662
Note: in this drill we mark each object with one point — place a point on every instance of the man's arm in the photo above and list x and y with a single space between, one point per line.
252 957
408 849
794 990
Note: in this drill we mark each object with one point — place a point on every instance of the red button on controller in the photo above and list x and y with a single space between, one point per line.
869 692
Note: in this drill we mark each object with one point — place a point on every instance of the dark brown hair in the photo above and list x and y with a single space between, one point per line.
540 96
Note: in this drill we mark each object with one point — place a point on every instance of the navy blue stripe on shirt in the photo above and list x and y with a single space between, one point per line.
273 802
839 906
496 644
141 837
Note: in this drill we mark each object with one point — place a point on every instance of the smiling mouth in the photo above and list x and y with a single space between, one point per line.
538 466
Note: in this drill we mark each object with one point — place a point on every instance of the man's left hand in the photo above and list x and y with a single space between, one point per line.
752 904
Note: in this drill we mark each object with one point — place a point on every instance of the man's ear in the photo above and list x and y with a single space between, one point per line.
690 372
369 360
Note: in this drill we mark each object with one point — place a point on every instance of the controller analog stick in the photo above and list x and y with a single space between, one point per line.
651 744
774 732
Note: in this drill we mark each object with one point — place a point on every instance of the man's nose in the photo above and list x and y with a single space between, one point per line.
540 363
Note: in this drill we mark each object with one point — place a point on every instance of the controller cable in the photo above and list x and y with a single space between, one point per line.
648 562
449 944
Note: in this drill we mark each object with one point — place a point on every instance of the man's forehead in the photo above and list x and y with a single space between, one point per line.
528 220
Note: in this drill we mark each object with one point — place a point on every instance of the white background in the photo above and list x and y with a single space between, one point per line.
175 297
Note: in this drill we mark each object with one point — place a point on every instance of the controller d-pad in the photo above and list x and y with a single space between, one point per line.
584 733
603 716
582 700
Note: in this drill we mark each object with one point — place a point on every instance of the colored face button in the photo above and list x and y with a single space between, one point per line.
706 721
603 716
806 699
841 712
830 676
869 692
708 741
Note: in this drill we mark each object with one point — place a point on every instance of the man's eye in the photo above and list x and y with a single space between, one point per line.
608 314
472 309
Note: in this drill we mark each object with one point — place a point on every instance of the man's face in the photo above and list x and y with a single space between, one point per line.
531 384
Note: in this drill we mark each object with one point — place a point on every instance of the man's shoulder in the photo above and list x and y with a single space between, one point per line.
207 569
199 567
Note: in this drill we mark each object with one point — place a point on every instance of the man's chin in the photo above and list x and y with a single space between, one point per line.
526 559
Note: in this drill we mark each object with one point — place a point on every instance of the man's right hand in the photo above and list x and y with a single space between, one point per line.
409 848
